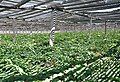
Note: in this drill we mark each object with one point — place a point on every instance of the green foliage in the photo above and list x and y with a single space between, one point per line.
75 57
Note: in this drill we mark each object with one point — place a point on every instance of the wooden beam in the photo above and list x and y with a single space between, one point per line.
1 1
22 3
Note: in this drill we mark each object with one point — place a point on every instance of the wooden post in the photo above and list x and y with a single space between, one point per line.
105 27
115 26
90 25
31 28
52 32
74 27
91 22
90 28
14 29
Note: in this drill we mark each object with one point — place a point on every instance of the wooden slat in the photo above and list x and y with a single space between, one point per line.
1 1
22 3
37 15
80 3
30 10
92 5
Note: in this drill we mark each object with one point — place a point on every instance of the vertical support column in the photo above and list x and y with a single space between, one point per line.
24 26
10 28
14 26
37 27
115 26
53 23
14 29
89 30
31 28
105 27
74 25
37 31
91 23
3 29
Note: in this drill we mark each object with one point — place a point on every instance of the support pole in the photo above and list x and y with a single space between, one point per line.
14 26
91 23
31 25
53 23
14 29
74 26
105 27
115 26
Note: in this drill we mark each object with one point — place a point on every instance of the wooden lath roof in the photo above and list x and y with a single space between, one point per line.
29 9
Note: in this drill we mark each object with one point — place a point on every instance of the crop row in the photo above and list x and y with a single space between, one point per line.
76 56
